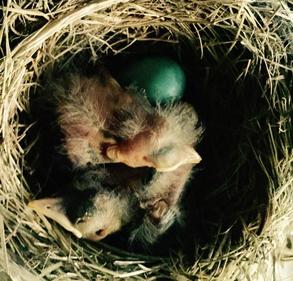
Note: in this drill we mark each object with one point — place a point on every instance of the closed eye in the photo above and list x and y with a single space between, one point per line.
100 232
163 150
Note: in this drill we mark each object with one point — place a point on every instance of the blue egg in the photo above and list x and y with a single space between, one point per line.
162 78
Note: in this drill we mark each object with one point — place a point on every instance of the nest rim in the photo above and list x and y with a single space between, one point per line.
29 52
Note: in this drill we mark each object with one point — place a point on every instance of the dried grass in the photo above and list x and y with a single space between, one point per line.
36 35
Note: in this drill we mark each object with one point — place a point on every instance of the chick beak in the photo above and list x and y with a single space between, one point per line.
184 155
195 158
52 208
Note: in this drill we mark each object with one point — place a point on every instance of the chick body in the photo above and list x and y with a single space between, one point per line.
101 200
161 199
91 209
84 106
155 195
104 123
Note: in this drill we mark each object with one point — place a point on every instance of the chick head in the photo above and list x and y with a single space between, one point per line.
91 217
165 142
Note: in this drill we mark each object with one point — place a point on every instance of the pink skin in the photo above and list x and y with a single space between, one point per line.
133 152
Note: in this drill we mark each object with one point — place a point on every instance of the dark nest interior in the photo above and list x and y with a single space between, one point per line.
228 191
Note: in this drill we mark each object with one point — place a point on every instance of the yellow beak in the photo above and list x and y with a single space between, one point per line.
52 208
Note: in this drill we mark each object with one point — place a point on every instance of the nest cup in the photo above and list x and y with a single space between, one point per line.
237 56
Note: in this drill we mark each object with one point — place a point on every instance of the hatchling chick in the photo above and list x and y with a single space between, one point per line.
105 123
161 200
101 200
163 140
157 196
90 209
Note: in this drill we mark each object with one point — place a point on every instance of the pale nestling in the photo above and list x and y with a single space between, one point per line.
103 123
90 208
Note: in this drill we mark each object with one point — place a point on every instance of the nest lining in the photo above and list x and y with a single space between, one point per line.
213 30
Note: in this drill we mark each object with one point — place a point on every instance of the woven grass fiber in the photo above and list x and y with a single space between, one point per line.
237 55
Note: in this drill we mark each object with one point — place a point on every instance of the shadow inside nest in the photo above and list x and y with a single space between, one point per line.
229 190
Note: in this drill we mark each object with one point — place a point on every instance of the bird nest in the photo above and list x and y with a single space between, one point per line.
237 55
